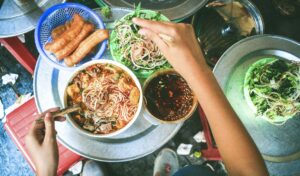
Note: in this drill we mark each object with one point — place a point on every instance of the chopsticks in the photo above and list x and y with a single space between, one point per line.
61 112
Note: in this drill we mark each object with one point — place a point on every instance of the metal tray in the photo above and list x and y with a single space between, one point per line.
140 139
175 10
277 143
16 21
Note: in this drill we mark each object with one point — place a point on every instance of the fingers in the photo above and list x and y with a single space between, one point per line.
30 138
50 133
49 110
60 118
41 116
158 27
40 129
36 126
53 109
154 37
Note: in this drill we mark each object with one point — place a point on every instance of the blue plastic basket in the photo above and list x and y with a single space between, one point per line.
58 15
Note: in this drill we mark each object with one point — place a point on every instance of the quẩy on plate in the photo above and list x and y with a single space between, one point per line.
74 40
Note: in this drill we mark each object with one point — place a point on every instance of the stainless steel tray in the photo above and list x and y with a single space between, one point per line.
175 10
140 139
15 20
278 144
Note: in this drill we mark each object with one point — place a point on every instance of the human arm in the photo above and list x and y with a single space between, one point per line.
240 155
42 145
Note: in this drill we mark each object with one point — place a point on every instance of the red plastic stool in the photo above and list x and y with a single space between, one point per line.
212 152
20 52
17 125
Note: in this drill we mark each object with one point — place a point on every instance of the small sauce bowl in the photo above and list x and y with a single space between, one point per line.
156 120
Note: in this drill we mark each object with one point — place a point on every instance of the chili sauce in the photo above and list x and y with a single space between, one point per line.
169 97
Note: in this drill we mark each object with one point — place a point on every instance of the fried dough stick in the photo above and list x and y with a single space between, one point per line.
86 46
67 36
73 44
56 32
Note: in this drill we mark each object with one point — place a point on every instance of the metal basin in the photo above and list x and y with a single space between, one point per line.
226 26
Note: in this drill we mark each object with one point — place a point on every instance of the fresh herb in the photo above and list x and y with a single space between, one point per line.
273 87
133 50
106 11
138 9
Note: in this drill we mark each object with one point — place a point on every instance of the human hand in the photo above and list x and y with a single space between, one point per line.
41 144
178 44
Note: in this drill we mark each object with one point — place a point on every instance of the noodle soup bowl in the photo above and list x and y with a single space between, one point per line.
85 132
151 117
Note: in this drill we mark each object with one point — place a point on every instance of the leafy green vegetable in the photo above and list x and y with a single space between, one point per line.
133 50
106 11
138 9
273 87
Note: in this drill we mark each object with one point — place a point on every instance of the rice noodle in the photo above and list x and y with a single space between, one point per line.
274 88
106 102
142 53
104 99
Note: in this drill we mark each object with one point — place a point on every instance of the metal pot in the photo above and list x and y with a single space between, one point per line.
230 21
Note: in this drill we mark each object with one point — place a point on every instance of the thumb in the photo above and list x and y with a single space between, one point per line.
50 133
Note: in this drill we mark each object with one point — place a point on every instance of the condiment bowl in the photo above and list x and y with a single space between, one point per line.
155 120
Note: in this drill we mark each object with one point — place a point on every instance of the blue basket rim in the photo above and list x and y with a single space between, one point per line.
52 9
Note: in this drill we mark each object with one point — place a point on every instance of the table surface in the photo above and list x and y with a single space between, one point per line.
276 24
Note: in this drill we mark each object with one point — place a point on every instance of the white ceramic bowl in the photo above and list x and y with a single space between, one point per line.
137 83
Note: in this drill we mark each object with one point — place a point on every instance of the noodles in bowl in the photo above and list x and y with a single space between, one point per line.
130 48
109 95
